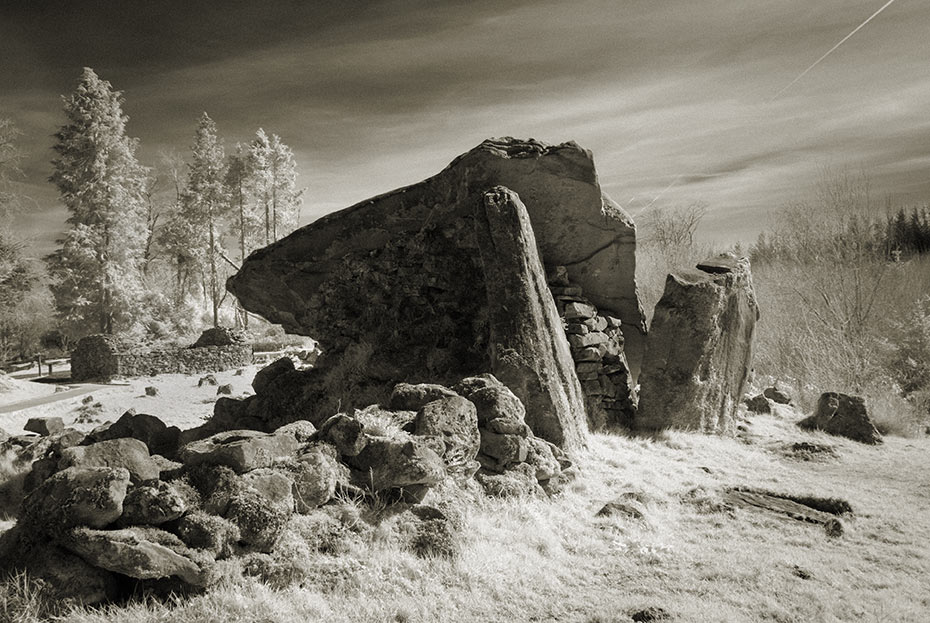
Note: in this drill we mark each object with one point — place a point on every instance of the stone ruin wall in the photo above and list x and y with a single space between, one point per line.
102 357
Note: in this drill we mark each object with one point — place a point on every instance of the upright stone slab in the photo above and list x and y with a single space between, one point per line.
528 348
699 348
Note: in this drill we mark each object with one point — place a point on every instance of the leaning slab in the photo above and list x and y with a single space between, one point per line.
699 350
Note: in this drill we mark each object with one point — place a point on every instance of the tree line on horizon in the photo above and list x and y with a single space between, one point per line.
147 249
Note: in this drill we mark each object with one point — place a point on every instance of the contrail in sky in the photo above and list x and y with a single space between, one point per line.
831 50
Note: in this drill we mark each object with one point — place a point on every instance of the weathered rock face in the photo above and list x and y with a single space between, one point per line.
399 279
843 415
529 351
699 348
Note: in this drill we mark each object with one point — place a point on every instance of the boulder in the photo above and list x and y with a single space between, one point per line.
452 419
413 253
225 389
315 474
155 434
528 348
388 463
267 374
44 425
777 394
208 379
137 553
211 533
345 433
152 504
128 453
699 349
496 402
843 415
219 336
758 404
276 487
407 397
241 450
76 496
260 523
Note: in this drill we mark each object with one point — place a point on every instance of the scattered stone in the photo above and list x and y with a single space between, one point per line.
207 380
777 394
652 613
801 572
44 426
809 451
87 400
699 349
151 391
623 507
758 404
241 450
843 415
225 389
128 453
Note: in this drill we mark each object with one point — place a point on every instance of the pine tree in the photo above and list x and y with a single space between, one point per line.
206 201
97 269
275 172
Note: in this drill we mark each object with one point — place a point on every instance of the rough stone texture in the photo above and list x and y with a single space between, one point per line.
452 419
130 553
260 524
528 349
315 476
758 404
597 346
128 453
76 496
407 397
152 504
267 374
699 350
103 357
397 463
345 433
241 450
211 533
273 485
777 394
413 253
44 425
843 415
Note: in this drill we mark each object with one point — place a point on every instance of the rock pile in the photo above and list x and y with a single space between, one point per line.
137 501
596 342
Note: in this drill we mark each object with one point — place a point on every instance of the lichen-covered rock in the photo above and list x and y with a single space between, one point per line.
241 450
76 496
452 419
505 448
315 474
843 415
152 504
408 397
520 480
128 453
302 430
345 433
44 425
260 524
387 463
496 401
541 456
137 553
211 533
699 349
273 485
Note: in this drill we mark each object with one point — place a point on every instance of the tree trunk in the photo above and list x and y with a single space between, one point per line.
213 293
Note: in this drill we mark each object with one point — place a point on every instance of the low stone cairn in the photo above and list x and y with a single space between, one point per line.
140 506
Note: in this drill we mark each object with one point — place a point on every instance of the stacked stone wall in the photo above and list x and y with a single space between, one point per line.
596 342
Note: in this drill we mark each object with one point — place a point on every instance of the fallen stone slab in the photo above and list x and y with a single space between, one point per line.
240 450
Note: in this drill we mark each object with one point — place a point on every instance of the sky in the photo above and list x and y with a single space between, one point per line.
673 97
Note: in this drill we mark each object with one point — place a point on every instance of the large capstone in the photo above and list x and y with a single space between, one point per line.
396 286
699 350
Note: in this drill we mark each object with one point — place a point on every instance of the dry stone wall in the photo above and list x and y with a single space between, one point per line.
597 347
98 357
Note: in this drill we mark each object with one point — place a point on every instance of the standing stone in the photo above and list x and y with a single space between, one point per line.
529 351
699 349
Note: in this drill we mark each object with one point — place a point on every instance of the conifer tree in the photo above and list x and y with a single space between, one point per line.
206 202
275 172
97 269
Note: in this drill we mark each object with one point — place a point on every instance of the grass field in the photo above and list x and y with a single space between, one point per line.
554 560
